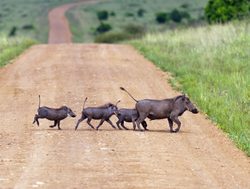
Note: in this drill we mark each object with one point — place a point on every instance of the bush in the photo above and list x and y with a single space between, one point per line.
13 31
221 11
28 27
112 37
102 15
102 28
176 16
112 13
141 12
135 30
185 5
161 17
129 14
185 14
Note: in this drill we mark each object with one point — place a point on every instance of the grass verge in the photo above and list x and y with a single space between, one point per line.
211 64
11 48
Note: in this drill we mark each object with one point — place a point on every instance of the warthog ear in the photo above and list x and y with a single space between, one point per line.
183 97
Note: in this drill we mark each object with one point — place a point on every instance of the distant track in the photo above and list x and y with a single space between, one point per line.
59 31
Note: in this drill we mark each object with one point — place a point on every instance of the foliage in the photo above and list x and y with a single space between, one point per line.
130 31
11 48
141 12
221 11
135 30
83 19
102 15
161 17
213 68
176 16
111 37
14 14
102 28
13 31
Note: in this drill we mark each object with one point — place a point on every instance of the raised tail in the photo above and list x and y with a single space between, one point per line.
123 89
39 101
85 102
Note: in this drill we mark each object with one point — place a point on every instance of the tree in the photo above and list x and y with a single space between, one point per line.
161 17
221 11
176 16
102 15
102 28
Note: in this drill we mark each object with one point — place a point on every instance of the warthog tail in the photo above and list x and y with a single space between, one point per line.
128 93
39 101
117 102
85 101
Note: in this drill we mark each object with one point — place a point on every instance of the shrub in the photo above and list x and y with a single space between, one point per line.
185 5
112 13
129 14
185 14
135 30
102 28
161 17
102 15
221 11
176 16
141 12
28 27
13 31
112 37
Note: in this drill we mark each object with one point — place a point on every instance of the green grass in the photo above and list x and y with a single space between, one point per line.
11 48
211 64
31 13
84 21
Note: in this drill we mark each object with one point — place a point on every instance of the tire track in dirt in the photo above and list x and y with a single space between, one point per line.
200 156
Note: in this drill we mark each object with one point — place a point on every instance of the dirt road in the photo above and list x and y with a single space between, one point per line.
199 156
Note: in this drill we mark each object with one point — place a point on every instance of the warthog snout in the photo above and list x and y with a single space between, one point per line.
195 111
71 113
190 106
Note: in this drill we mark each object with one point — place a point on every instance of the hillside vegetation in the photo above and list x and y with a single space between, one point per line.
11 48
121 15
27 18
211 64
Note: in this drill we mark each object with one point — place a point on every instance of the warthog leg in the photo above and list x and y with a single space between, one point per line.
78 122
55 123
88 122
58 124
36 119
141 119
170 122
117 123
177 121
101 122
122 124
108 120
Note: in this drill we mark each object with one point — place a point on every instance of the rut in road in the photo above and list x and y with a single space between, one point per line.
199 156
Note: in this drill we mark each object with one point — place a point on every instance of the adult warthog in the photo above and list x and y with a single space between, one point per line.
170 108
